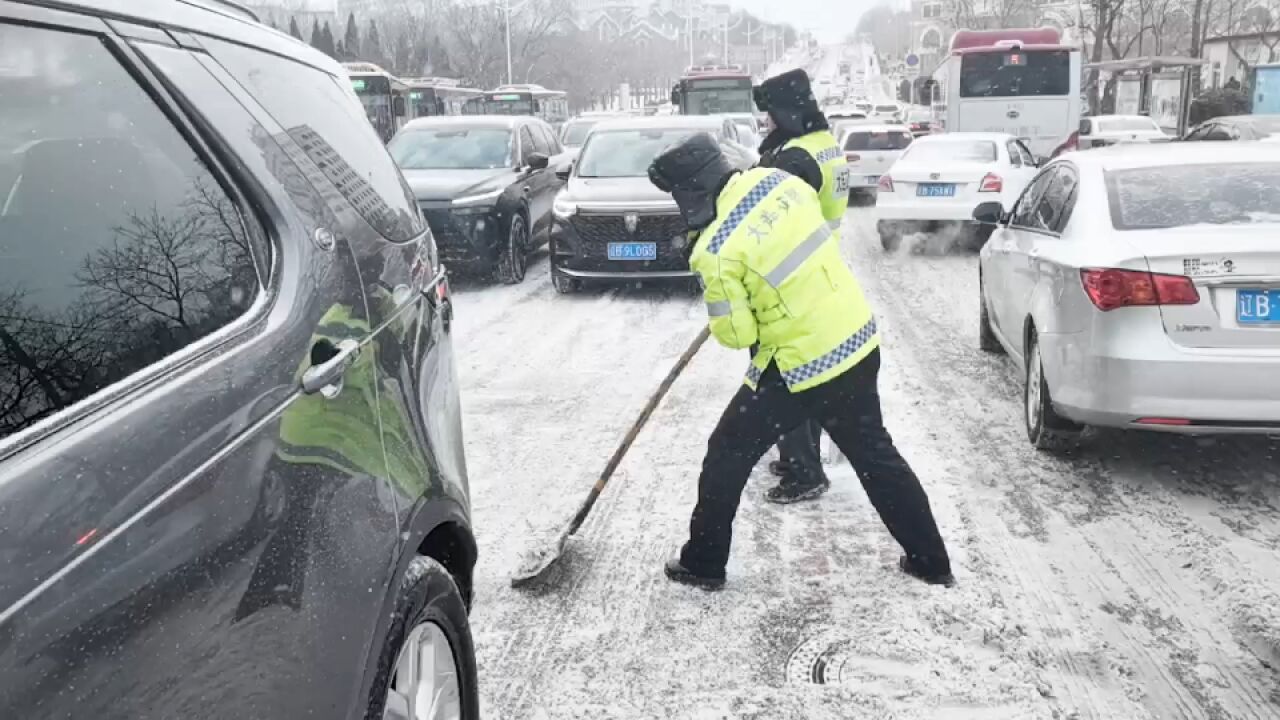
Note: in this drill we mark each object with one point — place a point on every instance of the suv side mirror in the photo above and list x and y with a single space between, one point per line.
537 161
989 213
397 106
1085 127
564 171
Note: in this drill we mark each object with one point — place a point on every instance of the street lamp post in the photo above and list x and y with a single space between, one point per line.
506 12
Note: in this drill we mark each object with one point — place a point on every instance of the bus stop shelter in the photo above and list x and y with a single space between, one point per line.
1158 86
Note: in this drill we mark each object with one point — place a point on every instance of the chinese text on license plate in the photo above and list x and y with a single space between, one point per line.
1255 307
633 251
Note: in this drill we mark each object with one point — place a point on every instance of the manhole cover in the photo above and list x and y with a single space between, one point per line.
816 661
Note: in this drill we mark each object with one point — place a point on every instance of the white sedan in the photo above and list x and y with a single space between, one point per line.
940 179
870 149
1138 286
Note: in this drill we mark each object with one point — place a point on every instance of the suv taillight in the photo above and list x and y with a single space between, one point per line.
991 182
885 184
1109 288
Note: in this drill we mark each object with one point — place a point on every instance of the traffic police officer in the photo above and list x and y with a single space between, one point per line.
801 143
774 277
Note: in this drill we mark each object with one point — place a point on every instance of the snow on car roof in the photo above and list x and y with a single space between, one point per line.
966 137
658 122
876 128
1116 157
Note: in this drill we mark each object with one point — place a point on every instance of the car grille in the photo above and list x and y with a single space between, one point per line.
595 232
602 229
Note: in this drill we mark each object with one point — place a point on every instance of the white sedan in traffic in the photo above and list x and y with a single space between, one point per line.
870 149
1138 286
940 179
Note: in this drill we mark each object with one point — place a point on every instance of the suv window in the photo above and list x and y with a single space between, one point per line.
119 247
326 120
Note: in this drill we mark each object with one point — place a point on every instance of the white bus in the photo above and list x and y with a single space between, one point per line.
1022 82
382 94
549 105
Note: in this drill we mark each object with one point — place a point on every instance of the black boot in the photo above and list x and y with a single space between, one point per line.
677 572
780 468
791 491
945 579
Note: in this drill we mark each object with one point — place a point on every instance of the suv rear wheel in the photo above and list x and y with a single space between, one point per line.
427 669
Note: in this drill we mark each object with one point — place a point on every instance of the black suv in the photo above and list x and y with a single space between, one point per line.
485 186
611 223
231 471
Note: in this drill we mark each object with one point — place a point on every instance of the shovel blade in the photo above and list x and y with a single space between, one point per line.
540 559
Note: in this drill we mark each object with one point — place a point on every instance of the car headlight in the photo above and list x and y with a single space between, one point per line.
483 198
563 208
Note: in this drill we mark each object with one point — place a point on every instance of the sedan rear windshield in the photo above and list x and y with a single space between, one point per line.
626 153
452 149
886 108
868 140
953 150
1173 196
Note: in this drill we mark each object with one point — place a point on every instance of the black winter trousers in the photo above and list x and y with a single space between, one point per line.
848 408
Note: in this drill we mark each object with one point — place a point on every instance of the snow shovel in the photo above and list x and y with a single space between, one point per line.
540 559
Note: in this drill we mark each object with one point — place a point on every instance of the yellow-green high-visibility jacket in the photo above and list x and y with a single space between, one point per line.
823 148
773 275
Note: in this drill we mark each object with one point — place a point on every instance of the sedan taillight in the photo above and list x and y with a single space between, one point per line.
885 184
991 183
1110 288
852 157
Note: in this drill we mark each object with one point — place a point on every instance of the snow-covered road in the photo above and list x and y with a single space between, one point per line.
1138 579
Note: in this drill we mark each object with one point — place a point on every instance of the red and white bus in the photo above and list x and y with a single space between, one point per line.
1024 82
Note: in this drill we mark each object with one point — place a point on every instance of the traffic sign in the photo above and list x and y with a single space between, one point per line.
912 60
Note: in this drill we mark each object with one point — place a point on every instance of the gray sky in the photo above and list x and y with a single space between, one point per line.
829 20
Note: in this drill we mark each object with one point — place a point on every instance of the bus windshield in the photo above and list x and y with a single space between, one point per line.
1015 73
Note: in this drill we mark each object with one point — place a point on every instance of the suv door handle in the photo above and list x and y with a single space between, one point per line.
326 377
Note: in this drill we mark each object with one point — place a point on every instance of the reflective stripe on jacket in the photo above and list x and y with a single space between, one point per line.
823 148
773 274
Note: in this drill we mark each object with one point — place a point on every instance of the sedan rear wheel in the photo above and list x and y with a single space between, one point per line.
890 235
1046 429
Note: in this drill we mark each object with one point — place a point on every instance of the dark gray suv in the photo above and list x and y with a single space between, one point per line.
231 473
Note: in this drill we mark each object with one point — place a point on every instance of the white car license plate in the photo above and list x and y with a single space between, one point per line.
936 190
